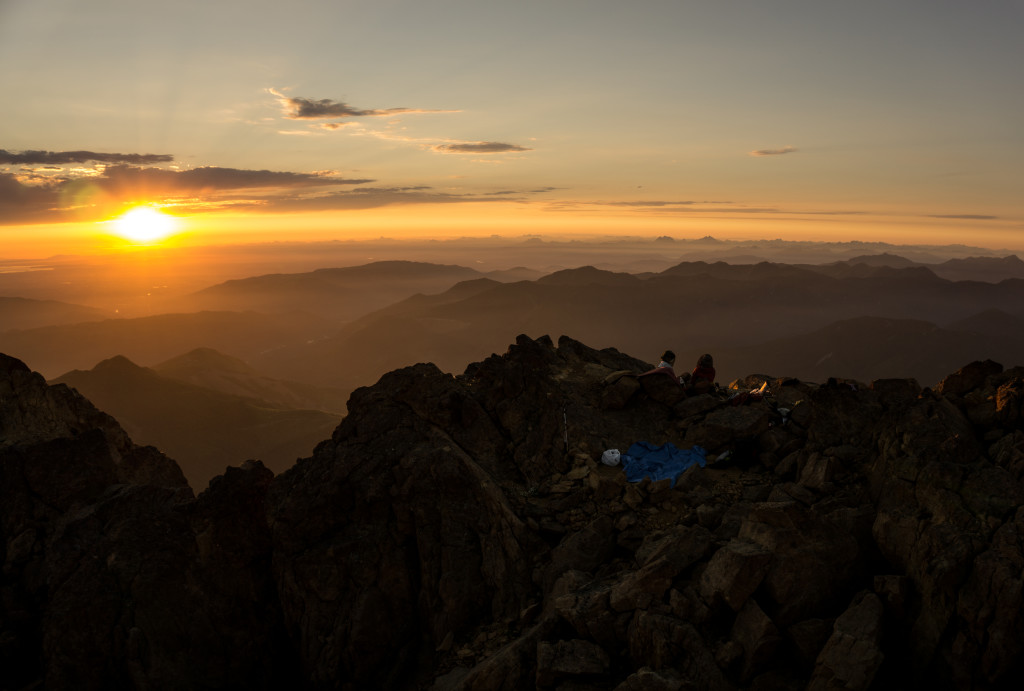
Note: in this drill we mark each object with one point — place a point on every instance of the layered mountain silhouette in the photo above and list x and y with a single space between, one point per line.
341 294
691 308
204 430
457 533
985 269
867 348
25 313
754 317
210 369
54 350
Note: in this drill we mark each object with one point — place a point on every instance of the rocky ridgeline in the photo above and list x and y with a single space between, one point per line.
461 533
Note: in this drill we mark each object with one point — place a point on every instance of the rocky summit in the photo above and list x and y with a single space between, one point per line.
462 532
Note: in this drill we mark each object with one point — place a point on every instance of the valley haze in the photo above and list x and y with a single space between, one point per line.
221 354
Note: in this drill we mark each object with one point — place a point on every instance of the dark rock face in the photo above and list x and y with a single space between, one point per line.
114 575
461 533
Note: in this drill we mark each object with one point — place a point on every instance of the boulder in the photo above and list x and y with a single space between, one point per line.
662 388
1010 404
725 427
583 550
660 641
758 637
647 679
801 542
734 573
968 378
575 658
619 388
853 654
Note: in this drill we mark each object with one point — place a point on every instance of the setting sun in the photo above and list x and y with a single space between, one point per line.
144 224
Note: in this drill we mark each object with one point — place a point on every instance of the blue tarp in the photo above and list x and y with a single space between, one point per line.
644 459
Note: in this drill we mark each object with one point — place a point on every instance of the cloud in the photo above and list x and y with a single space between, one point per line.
368 198
965 217
92 197
478 148
650 203
65 157
212 189
774 152
446 146
211 178
25 203
337 125
298 108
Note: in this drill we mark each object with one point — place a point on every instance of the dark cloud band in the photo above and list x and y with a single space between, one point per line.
965 217
214 178
479 148
298 108
775 152
66 157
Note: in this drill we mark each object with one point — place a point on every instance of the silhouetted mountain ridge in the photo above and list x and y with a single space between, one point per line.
214 370
868 348
691 308
986 269
54 350
339 293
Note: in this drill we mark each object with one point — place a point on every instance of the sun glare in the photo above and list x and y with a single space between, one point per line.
144 225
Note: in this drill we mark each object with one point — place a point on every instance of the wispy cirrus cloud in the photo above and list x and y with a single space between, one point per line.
965 217
299 108
444 146
774 152
652 204
68 157
370 198
337 125
692 207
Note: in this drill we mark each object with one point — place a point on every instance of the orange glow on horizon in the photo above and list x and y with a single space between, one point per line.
155 229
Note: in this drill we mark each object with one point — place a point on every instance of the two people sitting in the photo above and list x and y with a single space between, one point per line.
700 380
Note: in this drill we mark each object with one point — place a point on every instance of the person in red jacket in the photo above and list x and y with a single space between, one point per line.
702 379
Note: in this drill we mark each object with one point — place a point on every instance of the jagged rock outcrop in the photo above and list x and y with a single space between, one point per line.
114 575
461 533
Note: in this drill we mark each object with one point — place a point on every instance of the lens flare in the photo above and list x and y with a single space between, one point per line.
144 225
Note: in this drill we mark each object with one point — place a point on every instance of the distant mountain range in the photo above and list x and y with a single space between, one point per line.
203 429
26 313
739 311
341 294
986 269
53 350
211 369
871 316
869 348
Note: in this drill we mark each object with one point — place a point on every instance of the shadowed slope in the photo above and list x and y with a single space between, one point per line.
204 430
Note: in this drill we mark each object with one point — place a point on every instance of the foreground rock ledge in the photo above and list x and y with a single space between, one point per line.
460 533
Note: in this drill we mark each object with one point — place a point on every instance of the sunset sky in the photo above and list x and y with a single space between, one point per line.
899 121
